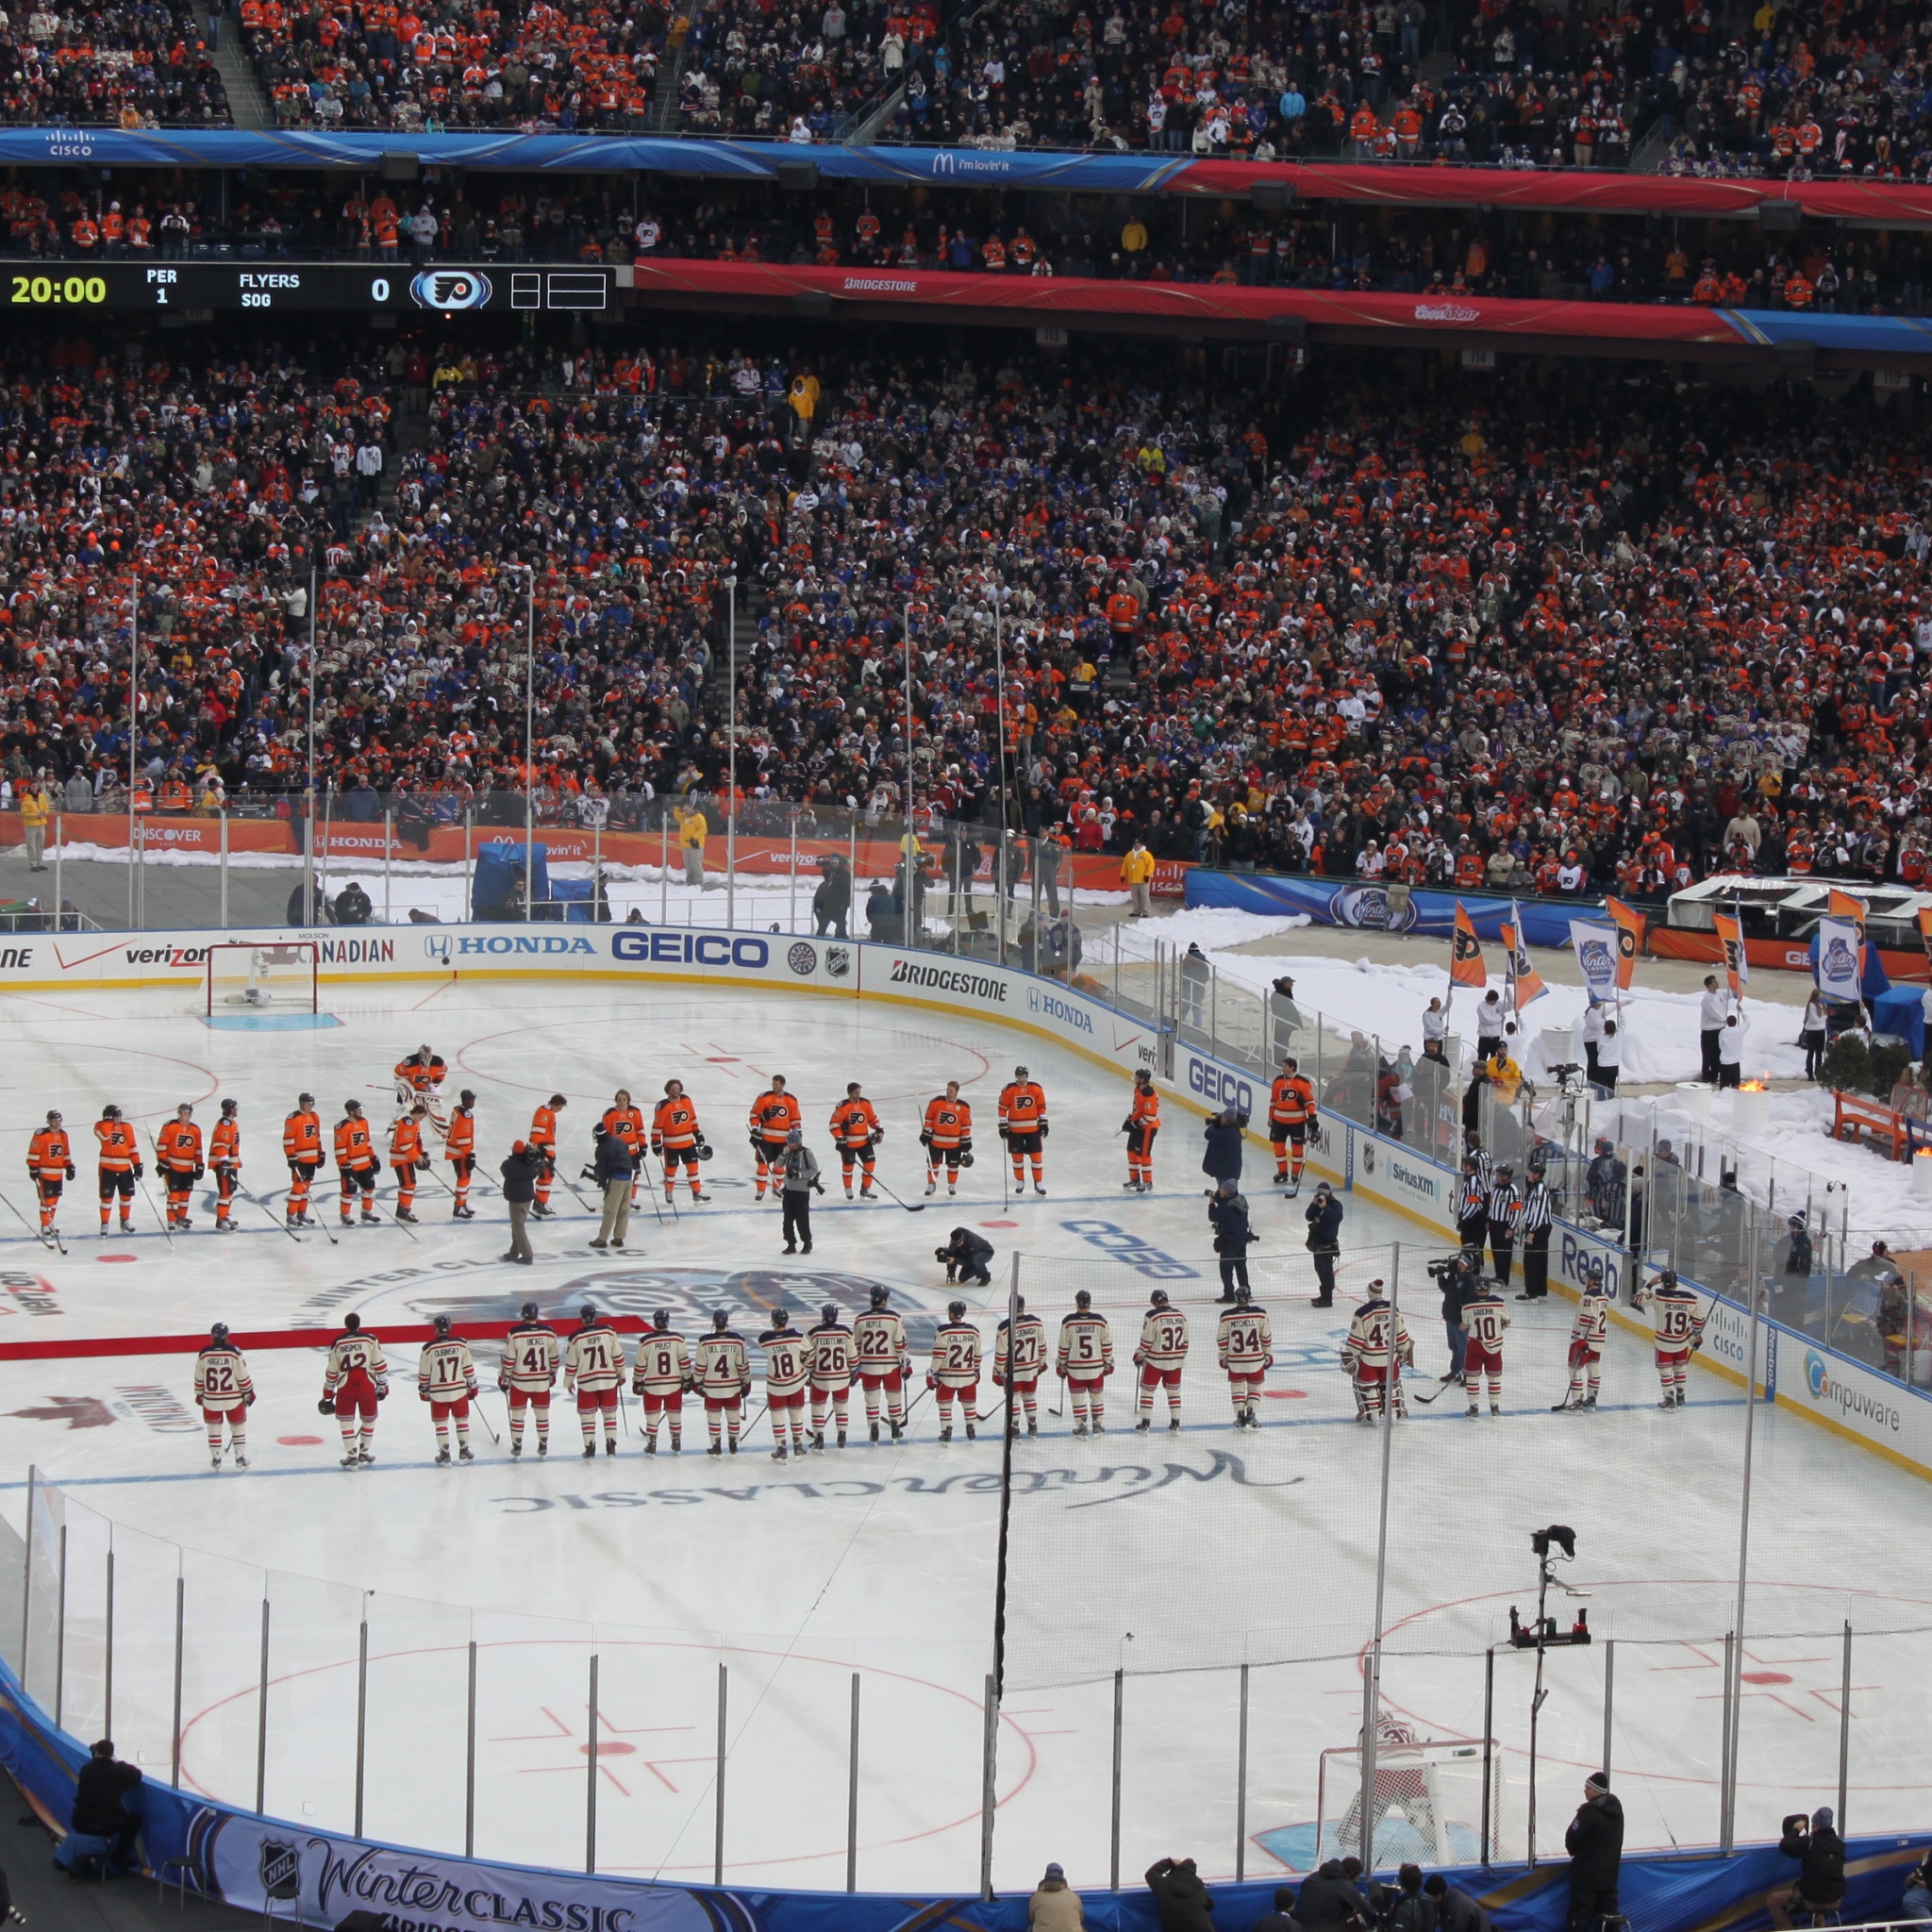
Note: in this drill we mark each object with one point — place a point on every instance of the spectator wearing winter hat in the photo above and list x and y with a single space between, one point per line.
1054 1905
1821 1855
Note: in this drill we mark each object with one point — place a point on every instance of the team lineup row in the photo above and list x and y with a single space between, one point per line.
673 1137
822 1363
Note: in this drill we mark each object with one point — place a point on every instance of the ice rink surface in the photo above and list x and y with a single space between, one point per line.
1174 1557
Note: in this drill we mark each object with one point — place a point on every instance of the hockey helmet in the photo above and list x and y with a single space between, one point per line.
829 1312
110 1112
1083 1299
1243 1295
587 1315
780 1316
467 1097
230 1107
956 1311
352 1107
529 1311
662 1319
1020 1073
441 1326
218 1335
1158 1297
880 1296
304 1100
52 1116
720 1317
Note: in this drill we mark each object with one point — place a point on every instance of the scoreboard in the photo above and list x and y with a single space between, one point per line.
377 288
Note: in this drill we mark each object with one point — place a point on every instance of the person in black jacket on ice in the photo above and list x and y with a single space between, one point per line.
1330 1900
1595 1844
1181 1898
1226 1133
1324 1216
1227 1213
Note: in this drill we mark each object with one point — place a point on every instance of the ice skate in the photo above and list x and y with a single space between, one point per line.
516 1447
873 1431
1079 1428
1099 1428
650 1445
1141 1426
842 1438
543 1212
1680 1398
1472 1410
1174 1426
714 1449
371 1219
1568 1402
818 1439
225 1227
898 1432
932 1187
463 1213
1040 1186
1495 1409
610 1445
971 1436
366 1456
241 1460
1033 1428
590 1452
442 1457
1588 1402
543 1445
946 1433
403 1214
215 1460
1669 1402
778 1454
351 1459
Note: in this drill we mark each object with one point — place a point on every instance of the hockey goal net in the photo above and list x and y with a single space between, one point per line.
273 978
1429 1805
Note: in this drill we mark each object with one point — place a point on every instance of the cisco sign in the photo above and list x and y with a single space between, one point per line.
1217 1086
692 948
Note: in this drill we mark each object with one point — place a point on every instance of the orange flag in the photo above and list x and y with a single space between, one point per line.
1631 925
1525 982
1846 906
1925 930
1730 936
1466 953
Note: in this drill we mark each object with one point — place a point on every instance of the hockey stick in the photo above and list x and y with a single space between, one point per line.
645 1175
39 1234
1059 1406
283 1226
911 1206
140 1182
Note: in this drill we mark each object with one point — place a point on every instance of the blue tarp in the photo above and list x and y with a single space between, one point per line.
1350 902
1902 1011
497 865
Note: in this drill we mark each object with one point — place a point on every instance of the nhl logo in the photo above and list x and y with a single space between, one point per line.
1368 1157
837 961
803 959
282 1870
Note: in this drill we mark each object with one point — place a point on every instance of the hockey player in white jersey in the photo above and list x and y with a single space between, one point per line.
878 1342
1484 1316
788 1365
1377 1349
223 1392
1084 1360
832 1368
594 1372
1162 1355
660 1378
531 1356
1677 1316
1243 1344
1588 1329
1020 1355
955 1371
724 1376
447 1380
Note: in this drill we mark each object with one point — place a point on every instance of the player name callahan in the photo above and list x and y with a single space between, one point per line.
978 986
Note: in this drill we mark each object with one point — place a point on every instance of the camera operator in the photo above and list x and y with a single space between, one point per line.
100 1802
1595 1843
1226 1135
1821 1855
1227 1213
1460 1280
1324 1216
1411 1910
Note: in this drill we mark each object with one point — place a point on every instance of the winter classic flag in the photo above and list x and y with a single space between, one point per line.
1845 906
1838 959
1631 927
1730 936
1466 953
1926 929
1596 947
1524 982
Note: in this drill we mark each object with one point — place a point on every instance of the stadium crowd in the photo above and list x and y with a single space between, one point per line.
1543 636
1820 87
1422 251
138 64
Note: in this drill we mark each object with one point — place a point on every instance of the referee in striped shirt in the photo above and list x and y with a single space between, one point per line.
1538 1213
